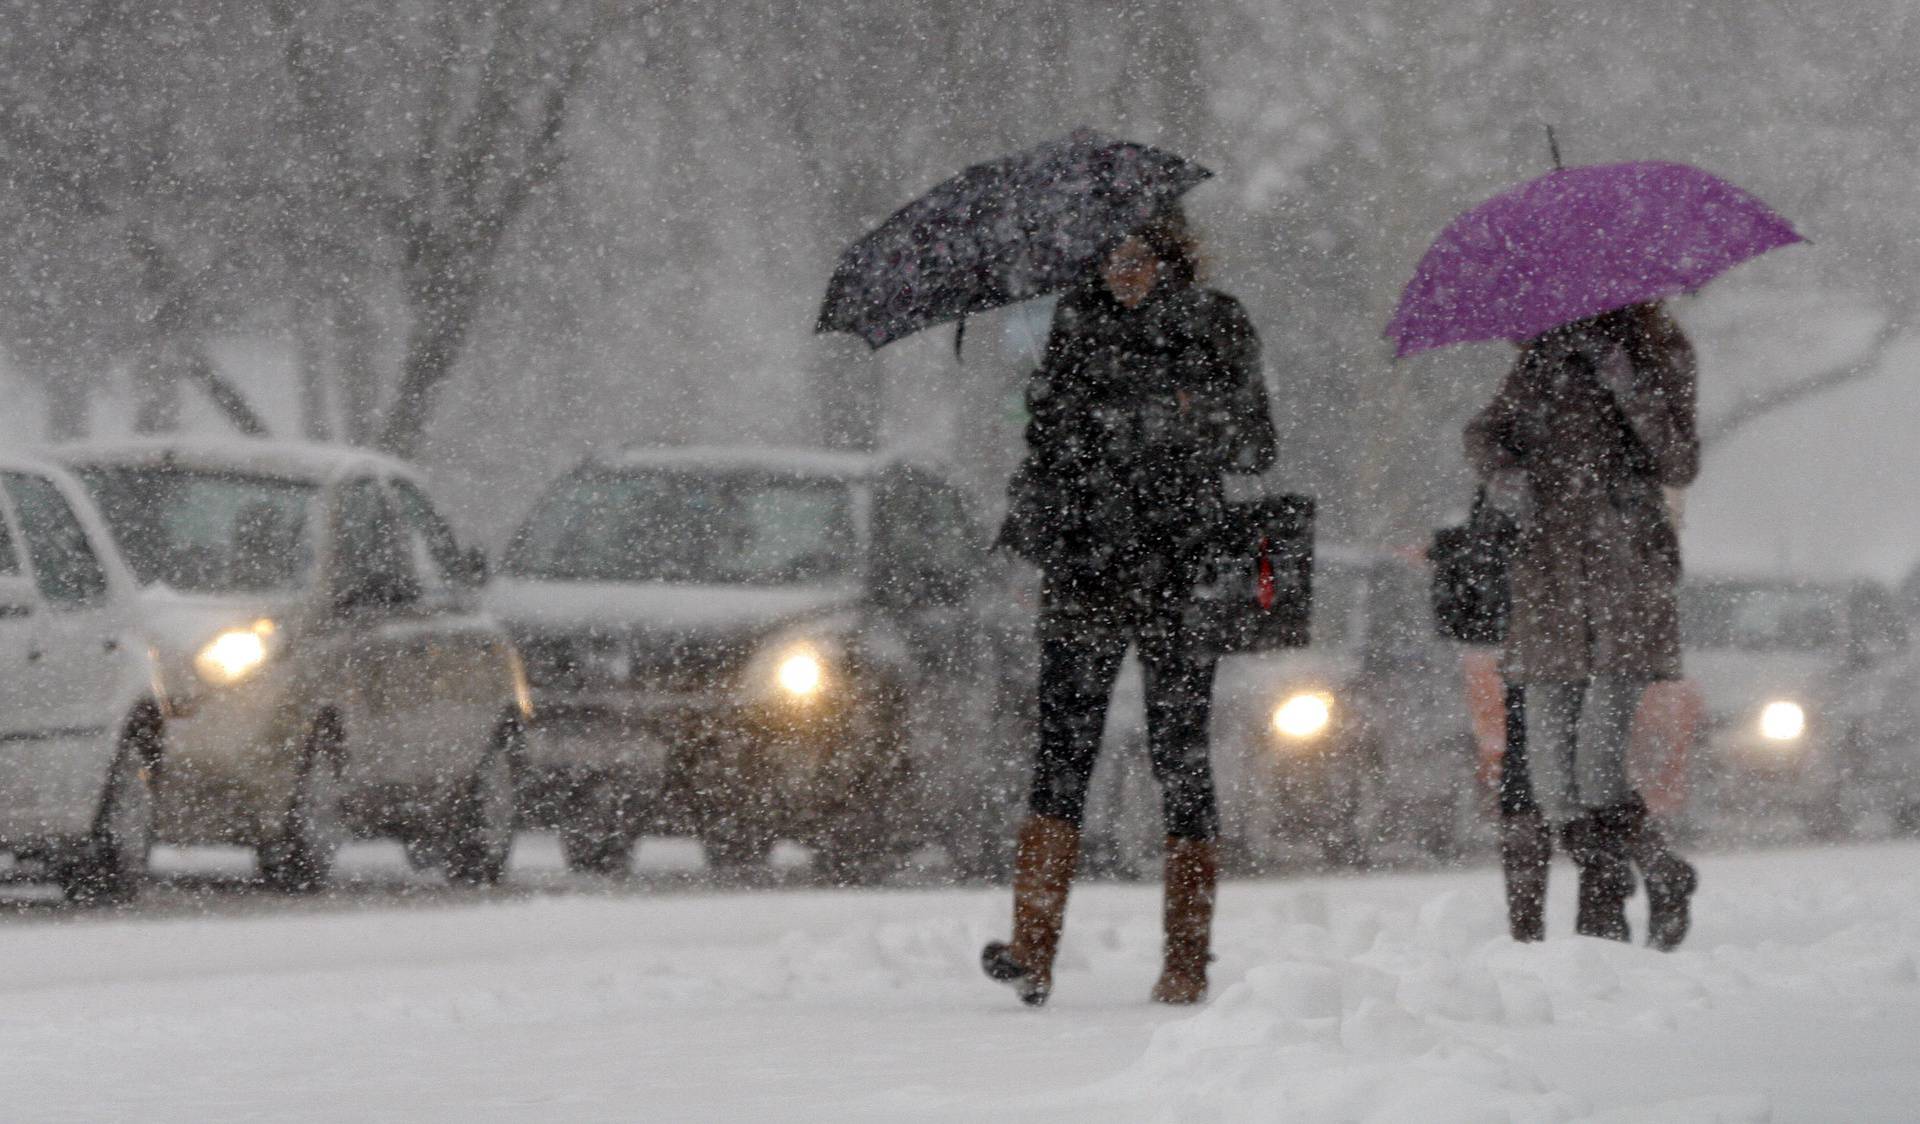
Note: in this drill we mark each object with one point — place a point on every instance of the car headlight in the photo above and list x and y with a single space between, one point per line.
1782 721
800 673
235 654
1305 715
798 670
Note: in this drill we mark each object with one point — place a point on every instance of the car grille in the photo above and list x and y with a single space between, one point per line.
649 664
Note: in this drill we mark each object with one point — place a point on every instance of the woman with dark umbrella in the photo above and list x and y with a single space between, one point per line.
1150 391
1596 418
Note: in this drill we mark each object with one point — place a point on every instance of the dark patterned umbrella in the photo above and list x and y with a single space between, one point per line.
1008 230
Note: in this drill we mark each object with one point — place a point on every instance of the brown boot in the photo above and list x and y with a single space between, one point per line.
1526 853
1043 868
1606 879
1192 872
1670 879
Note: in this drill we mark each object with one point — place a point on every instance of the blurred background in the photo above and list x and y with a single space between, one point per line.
493 234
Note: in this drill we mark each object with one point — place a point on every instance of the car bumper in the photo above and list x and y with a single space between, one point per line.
226 768
656 753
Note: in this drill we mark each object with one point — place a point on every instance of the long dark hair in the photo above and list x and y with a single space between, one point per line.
1172 241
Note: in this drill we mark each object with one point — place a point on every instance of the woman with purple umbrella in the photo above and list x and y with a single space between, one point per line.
1595 419
1594 422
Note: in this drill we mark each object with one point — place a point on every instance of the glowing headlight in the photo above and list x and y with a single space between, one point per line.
1304 715
234 654
1782 721
800 674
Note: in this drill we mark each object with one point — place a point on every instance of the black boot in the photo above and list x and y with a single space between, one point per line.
1526 852
1671 880
1606 879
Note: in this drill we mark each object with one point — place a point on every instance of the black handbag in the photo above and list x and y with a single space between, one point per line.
1259 596
1472 594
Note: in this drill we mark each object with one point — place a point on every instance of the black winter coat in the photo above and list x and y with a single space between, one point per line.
1135 416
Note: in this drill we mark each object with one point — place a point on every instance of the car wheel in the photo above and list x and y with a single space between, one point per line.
425 852
113 862
1826 821
483 821
301 860
732 845
596 850
595 834
868 836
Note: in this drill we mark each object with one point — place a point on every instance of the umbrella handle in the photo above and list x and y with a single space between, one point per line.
959 337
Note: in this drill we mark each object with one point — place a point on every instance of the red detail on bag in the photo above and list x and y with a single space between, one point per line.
1265 591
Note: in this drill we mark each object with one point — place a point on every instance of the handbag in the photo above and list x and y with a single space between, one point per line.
1259 596
1472 593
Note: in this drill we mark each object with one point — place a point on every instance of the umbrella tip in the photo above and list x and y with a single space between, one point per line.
1553 146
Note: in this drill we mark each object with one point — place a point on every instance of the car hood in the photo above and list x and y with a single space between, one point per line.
590 635
602 607
176 622
1733 683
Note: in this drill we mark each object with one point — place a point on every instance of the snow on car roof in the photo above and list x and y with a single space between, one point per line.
266 457
789 460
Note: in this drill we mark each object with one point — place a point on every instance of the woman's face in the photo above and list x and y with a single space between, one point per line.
1130 272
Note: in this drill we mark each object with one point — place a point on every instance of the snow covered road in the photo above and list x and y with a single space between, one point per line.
1390 997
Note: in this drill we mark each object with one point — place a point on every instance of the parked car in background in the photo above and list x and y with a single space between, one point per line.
1807 689
1357 744
79 719
320 662
751 645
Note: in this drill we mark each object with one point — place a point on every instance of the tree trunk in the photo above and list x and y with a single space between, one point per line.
355 337
156 389
443 319
849 394
69 405
315 369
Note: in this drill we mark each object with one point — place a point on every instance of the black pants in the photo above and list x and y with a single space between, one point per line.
1085 629
1516 783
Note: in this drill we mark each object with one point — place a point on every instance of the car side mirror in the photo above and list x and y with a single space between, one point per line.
470 568
904 587
16 598
376 589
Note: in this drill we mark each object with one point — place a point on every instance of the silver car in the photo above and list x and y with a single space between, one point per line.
756 644
321 665
1809 714
79 720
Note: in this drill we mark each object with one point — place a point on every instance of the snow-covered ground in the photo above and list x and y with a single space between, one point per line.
1390 997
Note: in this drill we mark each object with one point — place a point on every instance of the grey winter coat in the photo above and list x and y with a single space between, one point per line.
1598 417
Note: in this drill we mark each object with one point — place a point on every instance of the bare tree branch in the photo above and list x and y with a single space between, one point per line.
1759 406
477 147
223 394
318 119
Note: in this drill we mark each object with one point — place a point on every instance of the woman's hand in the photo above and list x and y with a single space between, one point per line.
1614 371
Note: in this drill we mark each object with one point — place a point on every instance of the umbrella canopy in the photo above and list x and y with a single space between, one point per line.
1576 243
1008 230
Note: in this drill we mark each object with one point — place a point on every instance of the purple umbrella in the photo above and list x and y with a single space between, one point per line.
1576 243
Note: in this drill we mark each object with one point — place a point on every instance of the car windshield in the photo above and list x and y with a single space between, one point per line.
206 531
733 528
1757 617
